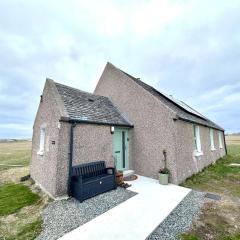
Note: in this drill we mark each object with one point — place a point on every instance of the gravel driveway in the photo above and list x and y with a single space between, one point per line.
180 219
60 217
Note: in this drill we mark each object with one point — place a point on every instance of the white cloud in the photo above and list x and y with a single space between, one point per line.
189 49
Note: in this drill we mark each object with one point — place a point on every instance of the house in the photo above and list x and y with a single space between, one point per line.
125 122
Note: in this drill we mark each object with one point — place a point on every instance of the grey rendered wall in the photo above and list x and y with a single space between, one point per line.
43 168
91 143
187 162
153 122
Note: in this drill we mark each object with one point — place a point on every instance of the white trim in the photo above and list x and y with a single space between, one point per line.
40 153
211 133
41 141
197 140
220 140
197 154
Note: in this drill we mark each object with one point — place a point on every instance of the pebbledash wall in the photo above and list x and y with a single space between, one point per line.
91 142
153 122
155 130
43 168
187 162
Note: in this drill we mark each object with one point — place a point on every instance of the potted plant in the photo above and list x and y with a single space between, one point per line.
164 172
163 176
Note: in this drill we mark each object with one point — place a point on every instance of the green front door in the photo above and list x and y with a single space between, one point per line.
121 148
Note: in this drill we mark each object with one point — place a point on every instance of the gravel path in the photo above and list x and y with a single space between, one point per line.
180 219
60 217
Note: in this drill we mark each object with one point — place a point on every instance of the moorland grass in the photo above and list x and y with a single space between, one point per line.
28 232
219 177
14 197
220 219
14 153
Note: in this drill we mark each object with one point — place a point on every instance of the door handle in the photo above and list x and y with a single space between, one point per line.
117 151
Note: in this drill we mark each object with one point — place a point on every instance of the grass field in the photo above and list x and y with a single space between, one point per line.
14 153
20 203
14 197
219 220
232 139
22 218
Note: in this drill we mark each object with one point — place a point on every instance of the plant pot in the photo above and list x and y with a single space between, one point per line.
119 177
163 178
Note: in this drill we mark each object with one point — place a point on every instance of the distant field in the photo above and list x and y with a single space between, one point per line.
14 153
232 139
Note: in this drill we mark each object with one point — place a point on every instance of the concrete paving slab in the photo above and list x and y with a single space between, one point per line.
135 218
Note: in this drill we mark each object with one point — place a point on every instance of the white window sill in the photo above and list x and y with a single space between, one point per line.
197 154
221 147
40 153
213 149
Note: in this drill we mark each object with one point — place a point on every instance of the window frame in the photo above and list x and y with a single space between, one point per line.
197 141
220 139
42 141
211 133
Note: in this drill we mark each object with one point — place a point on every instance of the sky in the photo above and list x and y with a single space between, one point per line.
189 49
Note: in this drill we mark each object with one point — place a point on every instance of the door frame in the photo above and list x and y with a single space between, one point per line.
125 154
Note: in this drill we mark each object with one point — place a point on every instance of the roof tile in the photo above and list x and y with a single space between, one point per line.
83 106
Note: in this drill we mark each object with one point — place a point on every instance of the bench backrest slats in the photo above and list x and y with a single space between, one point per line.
87 170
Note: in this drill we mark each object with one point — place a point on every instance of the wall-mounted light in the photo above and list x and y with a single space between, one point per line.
112 129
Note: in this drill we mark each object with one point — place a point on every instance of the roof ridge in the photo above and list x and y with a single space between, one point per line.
178 104
76 89
165 95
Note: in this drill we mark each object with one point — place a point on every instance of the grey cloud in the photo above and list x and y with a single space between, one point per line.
191 56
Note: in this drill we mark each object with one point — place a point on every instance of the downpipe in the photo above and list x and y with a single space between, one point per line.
70 158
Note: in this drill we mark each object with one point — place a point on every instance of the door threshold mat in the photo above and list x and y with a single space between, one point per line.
130 178
213 196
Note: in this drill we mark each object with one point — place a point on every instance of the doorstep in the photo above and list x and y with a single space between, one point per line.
128 173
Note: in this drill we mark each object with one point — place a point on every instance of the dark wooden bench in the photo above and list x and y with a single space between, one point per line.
91 179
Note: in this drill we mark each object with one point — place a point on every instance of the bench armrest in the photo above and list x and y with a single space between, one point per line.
110 170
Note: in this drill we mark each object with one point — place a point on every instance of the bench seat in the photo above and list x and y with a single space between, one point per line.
91 179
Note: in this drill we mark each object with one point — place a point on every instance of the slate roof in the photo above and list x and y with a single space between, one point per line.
87 107
183 111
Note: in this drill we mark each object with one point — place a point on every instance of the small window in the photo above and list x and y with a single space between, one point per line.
42 141
197 140
212 139
220 139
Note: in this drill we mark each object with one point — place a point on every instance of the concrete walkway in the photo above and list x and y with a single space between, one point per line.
135 218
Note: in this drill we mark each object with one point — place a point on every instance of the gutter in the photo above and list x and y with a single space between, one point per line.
190 121
70 158
219 129
75 121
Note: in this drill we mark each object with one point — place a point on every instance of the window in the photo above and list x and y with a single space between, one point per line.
197 140
220 139
212 139
42 141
